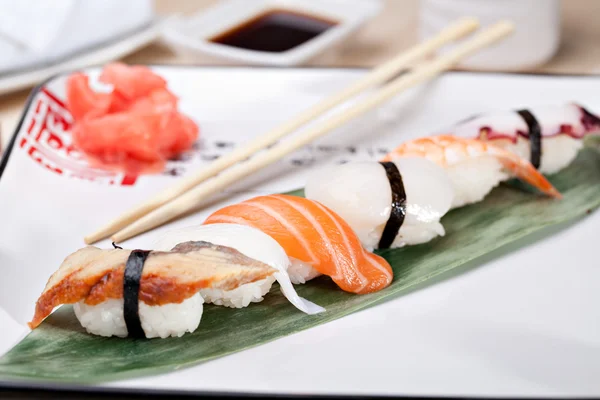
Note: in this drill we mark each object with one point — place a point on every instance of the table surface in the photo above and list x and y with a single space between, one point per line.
390 32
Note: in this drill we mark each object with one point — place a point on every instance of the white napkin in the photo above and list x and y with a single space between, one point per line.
39 32
32 25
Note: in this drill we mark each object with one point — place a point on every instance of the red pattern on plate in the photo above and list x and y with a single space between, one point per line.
48 142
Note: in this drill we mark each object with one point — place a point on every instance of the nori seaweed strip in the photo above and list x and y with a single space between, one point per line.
535 137
131 290
398 212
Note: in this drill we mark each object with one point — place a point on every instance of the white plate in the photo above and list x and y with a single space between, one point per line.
96 55
520 322
192 34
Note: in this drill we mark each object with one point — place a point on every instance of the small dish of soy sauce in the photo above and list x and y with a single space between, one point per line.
269 32
275 31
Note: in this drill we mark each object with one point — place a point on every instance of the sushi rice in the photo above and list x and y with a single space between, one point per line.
106 318
474 178
301 272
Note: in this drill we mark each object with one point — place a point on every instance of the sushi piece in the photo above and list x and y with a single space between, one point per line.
474 166
253 243
118 292
317 240
387 204
550 137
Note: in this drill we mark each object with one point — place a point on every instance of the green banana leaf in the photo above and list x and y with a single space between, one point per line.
60 350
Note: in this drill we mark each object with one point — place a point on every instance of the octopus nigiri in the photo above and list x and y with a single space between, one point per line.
388 204
474 166
317 240
550 137
119 292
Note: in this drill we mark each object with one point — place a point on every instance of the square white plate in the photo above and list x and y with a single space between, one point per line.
522 321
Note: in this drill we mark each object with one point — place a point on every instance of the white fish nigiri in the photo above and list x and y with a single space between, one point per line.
361 193
252 243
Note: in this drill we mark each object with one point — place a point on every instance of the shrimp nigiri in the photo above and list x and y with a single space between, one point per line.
317 240
550 136
389 204
474 166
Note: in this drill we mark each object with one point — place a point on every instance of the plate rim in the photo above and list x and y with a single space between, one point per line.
37 388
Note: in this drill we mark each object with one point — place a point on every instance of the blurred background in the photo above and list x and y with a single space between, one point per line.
396 28
39 39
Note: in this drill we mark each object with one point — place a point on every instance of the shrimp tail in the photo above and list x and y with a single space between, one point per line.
525 171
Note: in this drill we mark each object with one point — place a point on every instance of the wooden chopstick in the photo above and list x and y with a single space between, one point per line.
380 74
191 199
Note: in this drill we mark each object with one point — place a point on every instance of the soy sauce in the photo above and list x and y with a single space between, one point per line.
274 31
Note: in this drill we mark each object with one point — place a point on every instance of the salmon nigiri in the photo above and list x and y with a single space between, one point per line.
474 166
317 240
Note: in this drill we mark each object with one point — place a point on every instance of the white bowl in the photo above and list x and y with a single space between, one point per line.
192 34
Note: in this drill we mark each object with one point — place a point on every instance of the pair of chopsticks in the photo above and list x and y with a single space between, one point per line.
189 191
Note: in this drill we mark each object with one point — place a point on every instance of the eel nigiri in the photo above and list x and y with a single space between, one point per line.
253 243
548 136
388 204
317 240
144 293
474 166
